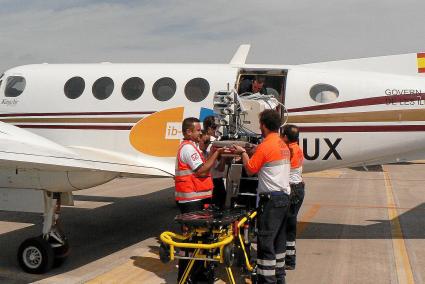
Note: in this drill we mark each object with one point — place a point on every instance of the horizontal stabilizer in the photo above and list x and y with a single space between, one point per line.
404 64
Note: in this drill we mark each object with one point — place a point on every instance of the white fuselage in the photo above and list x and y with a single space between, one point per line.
372 122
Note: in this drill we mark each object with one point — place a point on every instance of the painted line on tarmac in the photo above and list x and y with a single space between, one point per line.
402 262
307 216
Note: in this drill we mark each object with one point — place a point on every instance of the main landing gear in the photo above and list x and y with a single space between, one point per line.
42 253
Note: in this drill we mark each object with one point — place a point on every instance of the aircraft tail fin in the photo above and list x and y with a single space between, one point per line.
240 55
403 64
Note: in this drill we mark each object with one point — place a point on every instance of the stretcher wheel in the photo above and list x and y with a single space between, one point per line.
164 253
254 277
228 255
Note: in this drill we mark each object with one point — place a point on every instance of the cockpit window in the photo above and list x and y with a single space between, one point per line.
15 85
103 88
164 89
197 89
1 76
74 87
324 93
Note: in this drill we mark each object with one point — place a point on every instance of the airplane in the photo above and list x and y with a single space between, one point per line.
68 127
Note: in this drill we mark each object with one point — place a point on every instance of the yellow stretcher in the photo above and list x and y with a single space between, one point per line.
211 236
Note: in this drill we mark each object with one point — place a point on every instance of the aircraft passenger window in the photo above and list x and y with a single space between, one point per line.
324 93
133 88
74 87
164 89
197 89
103 88
15 85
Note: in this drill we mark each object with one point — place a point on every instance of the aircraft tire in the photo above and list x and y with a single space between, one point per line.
61 254
35 255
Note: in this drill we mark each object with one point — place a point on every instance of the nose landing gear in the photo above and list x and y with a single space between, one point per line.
40 254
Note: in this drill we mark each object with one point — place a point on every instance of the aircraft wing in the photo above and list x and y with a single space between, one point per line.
403 64
23 149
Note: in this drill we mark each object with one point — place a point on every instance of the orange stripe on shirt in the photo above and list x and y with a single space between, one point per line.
297 156
272 149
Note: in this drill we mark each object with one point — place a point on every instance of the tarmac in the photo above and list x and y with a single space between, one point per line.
355 226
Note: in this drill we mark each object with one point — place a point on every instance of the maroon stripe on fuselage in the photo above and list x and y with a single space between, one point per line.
80 127
394 99
74 113
364 128
356 128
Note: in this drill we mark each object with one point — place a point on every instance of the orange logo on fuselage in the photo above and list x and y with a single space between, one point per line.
158 134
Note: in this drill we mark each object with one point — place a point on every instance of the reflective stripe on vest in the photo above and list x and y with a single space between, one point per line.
183 173
276 163
188 184
194 194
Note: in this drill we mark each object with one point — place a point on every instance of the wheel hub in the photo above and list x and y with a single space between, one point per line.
32 257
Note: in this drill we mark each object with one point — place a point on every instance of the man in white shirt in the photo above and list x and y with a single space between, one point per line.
193 180
217 172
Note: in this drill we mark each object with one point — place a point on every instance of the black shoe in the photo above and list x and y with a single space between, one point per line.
289 267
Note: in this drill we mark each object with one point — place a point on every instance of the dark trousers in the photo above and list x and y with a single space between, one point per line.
193 206
219 193
271 223
188 207
297 197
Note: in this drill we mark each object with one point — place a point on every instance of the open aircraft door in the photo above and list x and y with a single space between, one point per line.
275 80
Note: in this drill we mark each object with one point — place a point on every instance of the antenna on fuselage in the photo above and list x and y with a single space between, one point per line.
240 55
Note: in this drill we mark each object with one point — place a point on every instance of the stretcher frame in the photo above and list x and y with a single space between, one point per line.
226 235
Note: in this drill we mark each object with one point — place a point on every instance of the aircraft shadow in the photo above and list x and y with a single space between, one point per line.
96 233
412 224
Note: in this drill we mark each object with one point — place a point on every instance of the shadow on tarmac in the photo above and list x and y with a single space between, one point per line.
154 265
412 224
94 233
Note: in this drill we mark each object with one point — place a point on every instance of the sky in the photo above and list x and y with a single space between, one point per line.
280 32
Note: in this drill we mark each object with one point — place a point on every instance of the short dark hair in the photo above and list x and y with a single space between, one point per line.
204 132
292 132
270 119
260 78
188 123
209 121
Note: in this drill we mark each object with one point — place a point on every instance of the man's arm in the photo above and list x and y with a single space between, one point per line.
245 160
207 166
253 165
